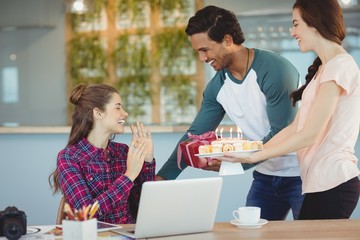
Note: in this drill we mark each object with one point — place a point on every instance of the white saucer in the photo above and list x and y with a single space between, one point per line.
252 225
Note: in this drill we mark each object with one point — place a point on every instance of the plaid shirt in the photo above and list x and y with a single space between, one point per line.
87 174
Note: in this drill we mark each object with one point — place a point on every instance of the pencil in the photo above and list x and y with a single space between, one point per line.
93 209
69 213
86 211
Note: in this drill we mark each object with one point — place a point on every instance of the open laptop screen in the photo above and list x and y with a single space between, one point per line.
175 207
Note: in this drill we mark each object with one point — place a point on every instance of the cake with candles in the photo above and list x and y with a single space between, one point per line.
230 144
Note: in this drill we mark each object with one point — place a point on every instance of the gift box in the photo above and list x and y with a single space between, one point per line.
187 149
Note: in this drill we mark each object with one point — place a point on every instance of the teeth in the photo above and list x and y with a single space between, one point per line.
211 62
121 121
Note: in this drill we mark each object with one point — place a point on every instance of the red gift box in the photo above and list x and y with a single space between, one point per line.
190 147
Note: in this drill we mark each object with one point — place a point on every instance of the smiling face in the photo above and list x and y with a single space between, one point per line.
114 116
214 53
307 37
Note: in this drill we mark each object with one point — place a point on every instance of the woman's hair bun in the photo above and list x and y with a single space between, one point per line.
77 93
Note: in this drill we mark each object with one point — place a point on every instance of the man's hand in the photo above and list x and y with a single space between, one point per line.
213 165
158 178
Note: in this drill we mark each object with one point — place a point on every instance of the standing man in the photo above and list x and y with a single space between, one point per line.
252 86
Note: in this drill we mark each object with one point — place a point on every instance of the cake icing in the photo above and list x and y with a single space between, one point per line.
230 145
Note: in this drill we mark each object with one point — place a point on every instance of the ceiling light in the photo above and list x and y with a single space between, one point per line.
79 6
346 2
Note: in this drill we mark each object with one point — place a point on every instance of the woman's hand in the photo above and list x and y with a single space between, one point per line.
142 134
237 157
135 160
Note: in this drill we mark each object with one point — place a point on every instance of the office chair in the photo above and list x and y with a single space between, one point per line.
61 213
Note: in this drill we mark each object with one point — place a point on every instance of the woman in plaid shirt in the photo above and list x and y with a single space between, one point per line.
92 167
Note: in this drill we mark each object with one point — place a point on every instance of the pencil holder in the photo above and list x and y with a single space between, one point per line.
80 230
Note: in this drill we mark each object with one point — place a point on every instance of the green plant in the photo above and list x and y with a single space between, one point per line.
176 55
87 60
89 17
132 61
147 60
168 8
134 10
173 54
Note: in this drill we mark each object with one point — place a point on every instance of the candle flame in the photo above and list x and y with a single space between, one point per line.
239 132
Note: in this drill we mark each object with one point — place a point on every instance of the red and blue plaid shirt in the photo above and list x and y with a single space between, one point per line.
87 174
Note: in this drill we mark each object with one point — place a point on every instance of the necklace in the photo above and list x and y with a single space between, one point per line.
247 61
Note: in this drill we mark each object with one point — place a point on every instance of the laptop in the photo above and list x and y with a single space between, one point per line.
176 207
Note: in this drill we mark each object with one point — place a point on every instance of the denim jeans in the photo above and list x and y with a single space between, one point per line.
275 196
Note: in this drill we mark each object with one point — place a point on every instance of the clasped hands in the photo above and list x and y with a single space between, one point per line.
142 136
141 150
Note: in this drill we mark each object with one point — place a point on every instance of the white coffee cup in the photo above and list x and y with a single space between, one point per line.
247 215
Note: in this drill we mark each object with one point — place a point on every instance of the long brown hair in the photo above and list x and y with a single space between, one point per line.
85 98
330 25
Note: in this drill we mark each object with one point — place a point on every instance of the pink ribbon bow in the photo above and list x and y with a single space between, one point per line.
205 136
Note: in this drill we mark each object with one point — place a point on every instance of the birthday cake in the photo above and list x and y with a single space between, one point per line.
230 145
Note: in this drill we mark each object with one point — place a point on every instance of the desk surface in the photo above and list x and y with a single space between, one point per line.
313 229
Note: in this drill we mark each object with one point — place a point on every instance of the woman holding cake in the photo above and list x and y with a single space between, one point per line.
326 127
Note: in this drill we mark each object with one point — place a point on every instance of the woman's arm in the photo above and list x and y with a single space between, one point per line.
289 141
284 134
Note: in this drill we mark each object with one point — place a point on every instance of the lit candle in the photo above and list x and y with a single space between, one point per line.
216 131
221 131
239 133
230 133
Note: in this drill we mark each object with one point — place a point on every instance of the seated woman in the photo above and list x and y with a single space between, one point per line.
92 167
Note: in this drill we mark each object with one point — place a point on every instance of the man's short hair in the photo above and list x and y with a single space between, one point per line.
217 22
